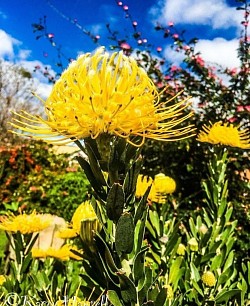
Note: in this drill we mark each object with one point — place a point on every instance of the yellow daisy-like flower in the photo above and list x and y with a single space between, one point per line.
208 279
225 134
25 224
103 93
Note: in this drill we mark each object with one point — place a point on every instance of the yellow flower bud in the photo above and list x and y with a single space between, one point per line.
193 244
181 249
170 293
208 279
203 229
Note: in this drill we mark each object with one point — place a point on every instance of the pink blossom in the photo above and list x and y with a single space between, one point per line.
199 60
159 49
145 40
232 119
175 36
139 41
174 68
97 37
247 107
135 23
119 3
51 35
170 24
125 46
186 48
125 7
240 108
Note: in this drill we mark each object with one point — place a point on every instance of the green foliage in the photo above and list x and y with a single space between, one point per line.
34 177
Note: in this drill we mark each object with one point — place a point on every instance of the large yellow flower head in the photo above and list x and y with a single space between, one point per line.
225 134
25 224
103 93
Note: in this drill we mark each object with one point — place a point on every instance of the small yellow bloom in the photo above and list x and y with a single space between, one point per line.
25 224
193 244
105 94
181 249
208 279
2 279
226 135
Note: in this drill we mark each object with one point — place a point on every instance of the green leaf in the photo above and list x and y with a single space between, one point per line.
139 265
91 177
225 296
194 272
175 269
124 236
161 297
113 298
229 261
115 202
94 163
128 290
155 221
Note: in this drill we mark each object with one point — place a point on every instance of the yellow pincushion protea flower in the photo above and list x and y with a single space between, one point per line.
63 253
83 212
143 182
225 134
103 93
25 224
160 187
208 279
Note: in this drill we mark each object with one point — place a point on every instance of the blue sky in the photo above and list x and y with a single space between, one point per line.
215 22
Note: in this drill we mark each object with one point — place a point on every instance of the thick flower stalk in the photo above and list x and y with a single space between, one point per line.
105 94
224 134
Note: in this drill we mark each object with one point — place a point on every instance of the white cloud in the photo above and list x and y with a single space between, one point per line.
220 51
215 13
217 51
7 45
